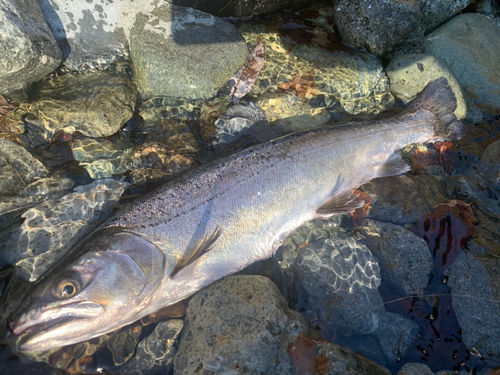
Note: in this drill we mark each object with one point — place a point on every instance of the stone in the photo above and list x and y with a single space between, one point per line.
180 52
345 361
436 12
355 82
52 227
240 323
409 74
28 49
95 104
489 165
89 33
414 368
385 27
247 8
396 199
155 353
475 288
404 259
342 277
123 343
470 45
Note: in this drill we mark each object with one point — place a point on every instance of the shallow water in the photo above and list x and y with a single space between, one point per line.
167 137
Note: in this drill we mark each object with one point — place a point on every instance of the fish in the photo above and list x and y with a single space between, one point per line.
217 219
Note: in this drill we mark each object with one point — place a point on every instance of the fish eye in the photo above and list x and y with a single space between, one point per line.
66 289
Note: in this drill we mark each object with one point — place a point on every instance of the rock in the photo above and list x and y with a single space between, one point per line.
89 33
247 8
123 343
415 369
409 74
470 44
436 12
353 82
342 276
240 323
347 362
96 104
28 48
18 168
404 259
396 199
180 52
489 165
155 353
475 288
52 227
385 27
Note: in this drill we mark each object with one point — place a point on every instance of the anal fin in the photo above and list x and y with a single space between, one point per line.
394 165
201 248
342 202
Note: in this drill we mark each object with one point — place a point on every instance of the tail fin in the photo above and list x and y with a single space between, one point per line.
439 99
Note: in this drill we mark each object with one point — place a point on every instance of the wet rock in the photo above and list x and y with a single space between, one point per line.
288 114
342 276
469 44
354 83
384 27
123 343
475 288
344 361
238 121
409 74
52 227
404 259
155 353
238 324
18 168
28 48
180 52
489 166
244 9
88 33
95 104
415 369
436 12
102 158
396 199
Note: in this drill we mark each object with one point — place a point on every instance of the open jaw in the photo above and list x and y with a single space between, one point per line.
48 322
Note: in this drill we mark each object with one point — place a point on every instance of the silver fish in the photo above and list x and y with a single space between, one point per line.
216 220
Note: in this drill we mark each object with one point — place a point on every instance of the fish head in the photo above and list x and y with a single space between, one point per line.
104 283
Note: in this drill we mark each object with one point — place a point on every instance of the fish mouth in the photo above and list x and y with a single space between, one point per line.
47 317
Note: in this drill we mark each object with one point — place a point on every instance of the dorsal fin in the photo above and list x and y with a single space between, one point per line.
201 248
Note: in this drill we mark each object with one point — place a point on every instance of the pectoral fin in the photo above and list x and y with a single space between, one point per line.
342 202
201 248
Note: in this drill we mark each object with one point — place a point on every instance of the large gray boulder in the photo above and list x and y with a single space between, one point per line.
28 50
239 323
246 8
88 32
178 51
470 46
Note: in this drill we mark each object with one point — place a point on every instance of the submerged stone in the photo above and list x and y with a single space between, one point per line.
95 104
404 259
396 199
28 48
180 52
239 322
155 353
52 227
